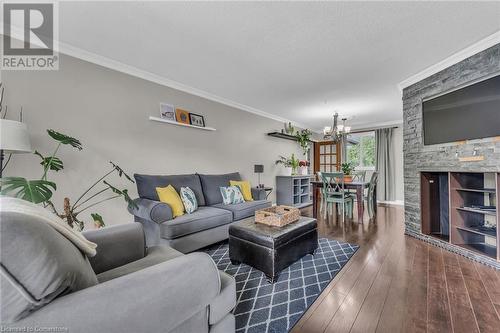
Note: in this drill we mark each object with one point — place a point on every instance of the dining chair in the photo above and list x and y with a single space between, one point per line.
318 174
333 192
370 196
359 176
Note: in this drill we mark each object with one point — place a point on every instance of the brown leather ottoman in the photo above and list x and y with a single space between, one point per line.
271 249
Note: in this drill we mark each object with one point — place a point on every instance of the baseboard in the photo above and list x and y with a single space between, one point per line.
394 202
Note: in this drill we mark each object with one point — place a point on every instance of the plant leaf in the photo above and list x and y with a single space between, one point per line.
53 163
99 222
35 191
121 172
123 193
64 139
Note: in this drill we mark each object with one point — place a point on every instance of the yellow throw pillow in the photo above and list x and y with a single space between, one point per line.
170 196
245 188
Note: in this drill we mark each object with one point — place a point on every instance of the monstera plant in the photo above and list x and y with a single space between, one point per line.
40 191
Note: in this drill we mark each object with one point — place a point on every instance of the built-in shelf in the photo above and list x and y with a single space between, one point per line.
483 248
477 211
479 231
480 190
454 204
161 120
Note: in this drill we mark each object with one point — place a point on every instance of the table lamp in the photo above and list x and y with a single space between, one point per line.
14 139
258 169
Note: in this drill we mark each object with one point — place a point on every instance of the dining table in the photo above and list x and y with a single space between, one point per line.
358 186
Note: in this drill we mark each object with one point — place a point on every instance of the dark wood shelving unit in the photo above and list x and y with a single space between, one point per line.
461 191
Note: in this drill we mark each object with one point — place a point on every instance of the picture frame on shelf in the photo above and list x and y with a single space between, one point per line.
182 116
167 111
197 120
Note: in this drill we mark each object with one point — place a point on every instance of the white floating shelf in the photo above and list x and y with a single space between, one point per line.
161 120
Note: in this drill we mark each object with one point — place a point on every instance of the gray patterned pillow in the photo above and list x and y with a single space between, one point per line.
188 199
231 195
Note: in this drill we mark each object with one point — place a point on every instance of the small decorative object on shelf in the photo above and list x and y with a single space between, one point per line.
347 169
289 129
182 116
197 120
167 111
277 216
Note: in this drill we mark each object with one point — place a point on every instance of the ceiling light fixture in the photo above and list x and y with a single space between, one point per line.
336 131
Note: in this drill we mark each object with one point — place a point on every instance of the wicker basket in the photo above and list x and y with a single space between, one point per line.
277 216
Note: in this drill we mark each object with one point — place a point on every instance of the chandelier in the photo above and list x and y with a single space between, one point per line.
336 131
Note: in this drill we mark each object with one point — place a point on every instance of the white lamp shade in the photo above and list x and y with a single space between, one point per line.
14 137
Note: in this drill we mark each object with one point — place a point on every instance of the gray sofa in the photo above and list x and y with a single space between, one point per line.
48 282
189 232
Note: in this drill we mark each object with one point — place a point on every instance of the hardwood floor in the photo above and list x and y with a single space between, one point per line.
395 283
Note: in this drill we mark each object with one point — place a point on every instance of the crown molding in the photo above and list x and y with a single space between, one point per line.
469 51
118 66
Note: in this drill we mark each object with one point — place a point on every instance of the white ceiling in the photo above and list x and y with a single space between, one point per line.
299 61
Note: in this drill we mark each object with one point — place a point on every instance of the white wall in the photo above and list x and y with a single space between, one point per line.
108 111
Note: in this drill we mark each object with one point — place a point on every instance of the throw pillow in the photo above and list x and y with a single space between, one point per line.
245 188
231 195
188 199
170 196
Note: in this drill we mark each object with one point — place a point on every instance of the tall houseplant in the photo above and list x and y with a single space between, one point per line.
40 191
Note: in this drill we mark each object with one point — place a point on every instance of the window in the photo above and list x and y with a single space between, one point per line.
361 150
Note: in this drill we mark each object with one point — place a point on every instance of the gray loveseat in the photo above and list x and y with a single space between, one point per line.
47 282
189 232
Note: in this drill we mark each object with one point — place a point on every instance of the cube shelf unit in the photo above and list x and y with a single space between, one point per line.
294 191
472 213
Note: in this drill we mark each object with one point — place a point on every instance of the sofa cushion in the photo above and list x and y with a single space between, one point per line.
147 184
156 255
245 209
38 264
211 185
202 219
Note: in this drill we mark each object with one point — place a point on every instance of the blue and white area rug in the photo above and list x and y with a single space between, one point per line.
265 307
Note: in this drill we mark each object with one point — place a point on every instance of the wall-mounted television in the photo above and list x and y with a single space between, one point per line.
471 112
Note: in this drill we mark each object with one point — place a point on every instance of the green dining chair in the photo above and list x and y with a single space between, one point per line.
370 195
333 192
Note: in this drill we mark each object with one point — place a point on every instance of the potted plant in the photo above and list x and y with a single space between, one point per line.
347 169
290 164
303 170
303 138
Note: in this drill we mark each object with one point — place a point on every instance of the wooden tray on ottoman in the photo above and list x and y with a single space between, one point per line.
277 216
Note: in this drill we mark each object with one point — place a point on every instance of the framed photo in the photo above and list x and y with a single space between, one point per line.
167 111
197 120
182 116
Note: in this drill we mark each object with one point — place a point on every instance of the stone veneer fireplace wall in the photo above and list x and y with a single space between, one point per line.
418 158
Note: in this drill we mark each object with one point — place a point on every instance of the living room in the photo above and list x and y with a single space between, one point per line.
274 167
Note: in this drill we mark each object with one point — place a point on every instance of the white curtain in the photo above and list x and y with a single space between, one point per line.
385 164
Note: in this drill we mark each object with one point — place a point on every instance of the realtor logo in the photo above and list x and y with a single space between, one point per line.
29 36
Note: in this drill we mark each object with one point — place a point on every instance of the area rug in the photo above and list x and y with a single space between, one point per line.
265 307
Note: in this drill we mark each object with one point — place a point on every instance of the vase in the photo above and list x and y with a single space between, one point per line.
288 171
303 171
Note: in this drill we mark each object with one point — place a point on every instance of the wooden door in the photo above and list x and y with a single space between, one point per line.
326 156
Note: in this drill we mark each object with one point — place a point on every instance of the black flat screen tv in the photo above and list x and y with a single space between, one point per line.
472 112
